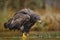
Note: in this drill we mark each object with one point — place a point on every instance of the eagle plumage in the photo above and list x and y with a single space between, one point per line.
22 20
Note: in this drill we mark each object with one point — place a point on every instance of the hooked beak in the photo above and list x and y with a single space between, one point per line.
39 21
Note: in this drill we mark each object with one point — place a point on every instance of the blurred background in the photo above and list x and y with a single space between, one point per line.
49 11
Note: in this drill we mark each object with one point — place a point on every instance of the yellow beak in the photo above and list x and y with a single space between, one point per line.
39 21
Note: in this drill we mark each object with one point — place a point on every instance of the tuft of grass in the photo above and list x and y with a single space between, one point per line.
40 35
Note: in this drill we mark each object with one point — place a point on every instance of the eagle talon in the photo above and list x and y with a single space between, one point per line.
24 37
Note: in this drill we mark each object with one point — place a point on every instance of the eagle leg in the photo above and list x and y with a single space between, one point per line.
24 36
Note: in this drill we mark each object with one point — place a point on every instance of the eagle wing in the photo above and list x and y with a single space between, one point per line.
20 19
